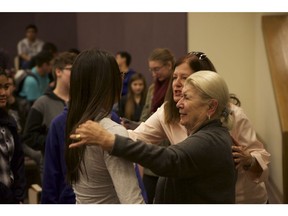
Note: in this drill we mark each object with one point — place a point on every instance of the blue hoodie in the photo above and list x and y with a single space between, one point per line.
54 187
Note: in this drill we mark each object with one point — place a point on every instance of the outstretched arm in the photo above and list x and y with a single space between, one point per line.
177 160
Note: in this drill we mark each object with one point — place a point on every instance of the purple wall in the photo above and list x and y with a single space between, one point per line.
138 33
58 28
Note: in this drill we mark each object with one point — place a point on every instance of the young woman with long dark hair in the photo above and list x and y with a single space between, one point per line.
96 176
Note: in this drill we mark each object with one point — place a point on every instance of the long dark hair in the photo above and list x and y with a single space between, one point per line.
95 85
130 103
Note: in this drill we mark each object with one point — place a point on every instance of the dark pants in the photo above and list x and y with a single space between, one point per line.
150 183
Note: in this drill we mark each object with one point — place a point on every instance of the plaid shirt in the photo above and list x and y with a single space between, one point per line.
6 154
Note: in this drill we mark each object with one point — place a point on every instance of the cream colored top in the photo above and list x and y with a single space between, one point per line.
107 179
249 188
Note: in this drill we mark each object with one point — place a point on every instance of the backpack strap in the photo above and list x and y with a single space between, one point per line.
20 77
30 73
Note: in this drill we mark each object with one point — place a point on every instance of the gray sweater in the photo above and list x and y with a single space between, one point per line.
43 111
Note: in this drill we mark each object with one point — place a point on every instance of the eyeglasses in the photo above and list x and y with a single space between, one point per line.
200 55
156 69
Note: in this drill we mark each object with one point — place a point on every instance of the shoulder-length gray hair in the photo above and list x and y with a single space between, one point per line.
213 86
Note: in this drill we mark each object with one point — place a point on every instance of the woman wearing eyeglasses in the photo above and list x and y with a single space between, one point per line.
161 62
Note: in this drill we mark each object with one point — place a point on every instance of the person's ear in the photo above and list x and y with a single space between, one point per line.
58 72
169 65
213 104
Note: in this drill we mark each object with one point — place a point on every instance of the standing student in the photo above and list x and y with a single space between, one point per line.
131 105
47 47
95 175
161 62
49 105
124 59
35 86
12 173
130 109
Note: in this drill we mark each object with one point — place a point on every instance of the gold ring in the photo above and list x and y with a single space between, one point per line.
78 136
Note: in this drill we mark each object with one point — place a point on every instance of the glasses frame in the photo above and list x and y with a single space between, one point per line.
156 69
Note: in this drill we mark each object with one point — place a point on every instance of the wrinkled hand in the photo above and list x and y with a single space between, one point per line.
242 158
92 133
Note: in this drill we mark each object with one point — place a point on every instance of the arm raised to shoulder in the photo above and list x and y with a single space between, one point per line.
92 133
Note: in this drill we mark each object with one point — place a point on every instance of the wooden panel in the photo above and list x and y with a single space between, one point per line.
285 165
275 32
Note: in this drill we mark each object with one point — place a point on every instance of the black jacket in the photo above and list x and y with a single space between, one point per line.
200 169
16 192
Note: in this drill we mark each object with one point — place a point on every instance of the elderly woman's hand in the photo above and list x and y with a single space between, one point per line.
242 158
92 133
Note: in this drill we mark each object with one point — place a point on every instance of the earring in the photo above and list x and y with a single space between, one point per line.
208 116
